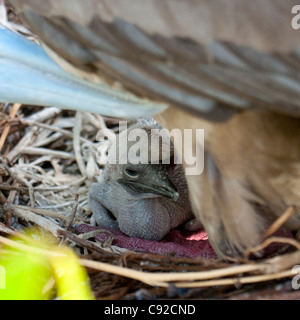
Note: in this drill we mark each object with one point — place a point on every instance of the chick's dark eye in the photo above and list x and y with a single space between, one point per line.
131 173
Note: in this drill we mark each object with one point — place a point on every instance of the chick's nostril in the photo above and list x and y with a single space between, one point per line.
175 196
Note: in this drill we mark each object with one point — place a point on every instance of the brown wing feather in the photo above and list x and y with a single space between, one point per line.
198 55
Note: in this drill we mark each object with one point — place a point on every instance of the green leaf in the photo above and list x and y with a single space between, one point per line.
24 275
33 268
71 278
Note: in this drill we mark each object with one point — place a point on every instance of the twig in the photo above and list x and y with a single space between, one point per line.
42 212
86 243
76 143
28 248
22 181
2 198
282 262
163 279
280 221
271 240
48 152
57 206
236 281
64 132
5 229
7 207
9 187
96 120
42 115
73 213
37 219
52 138
6 129
93 233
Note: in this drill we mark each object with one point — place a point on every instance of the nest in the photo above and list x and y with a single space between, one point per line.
49 158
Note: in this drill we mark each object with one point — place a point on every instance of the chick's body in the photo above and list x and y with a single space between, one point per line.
144 200
141 215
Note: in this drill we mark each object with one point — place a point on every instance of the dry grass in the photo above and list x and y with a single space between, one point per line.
48 161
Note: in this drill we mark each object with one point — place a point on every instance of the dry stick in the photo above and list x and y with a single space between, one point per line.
25 141
86 243
35 176
42 212
275 268
57 206
280 221
76 143
236 281
6 129
271 240
2 198
22 181
282 262
62 188
48 152
7 207
161 278
48 126
8 215
5 229
93 233
42 115
9 187
37 219
64 132
28 248
73 213
96 120
39 189
49 139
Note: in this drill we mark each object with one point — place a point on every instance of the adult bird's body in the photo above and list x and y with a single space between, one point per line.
234 63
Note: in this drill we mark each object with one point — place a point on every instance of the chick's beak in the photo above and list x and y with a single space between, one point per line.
154 184
164 187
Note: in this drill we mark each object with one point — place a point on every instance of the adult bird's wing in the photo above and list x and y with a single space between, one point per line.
212 57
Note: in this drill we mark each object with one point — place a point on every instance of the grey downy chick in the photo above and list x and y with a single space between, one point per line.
142 200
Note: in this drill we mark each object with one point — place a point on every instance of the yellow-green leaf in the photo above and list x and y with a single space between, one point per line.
33 268
71 278
24 274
